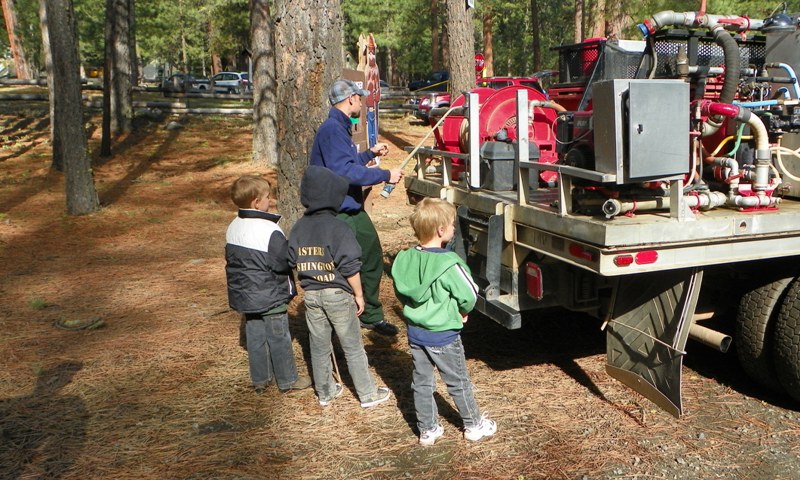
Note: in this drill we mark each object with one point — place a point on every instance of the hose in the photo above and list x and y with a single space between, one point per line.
783 170
388 187
789 71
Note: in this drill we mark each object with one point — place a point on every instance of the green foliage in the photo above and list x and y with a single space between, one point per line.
91 15
402 26
29 32
168 30
230 28
37 303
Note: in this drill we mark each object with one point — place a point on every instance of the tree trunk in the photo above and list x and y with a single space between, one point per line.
265 143
121 89
57 162
578 21
598 19
536 35
488 43
461 46
618 20
17 49
436 59
132 44
117 19
184 55
216 61
108 67
67 124
308 45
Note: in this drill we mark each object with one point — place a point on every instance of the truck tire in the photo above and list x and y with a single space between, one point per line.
755 323
787 342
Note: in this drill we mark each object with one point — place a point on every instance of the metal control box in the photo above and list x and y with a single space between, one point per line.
641 129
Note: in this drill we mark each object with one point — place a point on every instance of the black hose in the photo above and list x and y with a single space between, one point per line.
733 65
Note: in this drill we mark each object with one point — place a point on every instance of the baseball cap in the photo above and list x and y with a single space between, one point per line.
342 89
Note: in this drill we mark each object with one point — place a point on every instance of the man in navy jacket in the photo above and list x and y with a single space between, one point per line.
334 149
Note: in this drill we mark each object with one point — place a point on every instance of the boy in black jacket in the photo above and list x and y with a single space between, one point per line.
260 285
328 260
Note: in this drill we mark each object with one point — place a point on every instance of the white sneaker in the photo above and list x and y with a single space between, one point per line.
429 437
337 393
380 396
484 428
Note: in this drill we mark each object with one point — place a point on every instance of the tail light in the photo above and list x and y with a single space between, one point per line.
533 280
645 257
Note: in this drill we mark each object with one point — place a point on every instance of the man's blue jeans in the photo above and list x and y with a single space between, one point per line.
335 309
452 366
269 349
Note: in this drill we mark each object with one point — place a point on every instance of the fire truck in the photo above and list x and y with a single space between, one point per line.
655 186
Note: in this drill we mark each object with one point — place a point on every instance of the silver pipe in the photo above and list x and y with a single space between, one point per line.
692 19
703 200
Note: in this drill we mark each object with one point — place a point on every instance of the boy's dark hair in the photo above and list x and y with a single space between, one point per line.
429 215
248 188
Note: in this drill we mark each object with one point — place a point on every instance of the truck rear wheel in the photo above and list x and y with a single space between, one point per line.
755 322
787 342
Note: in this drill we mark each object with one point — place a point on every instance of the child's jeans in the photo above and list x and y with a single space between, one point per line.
269 349
449 359
335 309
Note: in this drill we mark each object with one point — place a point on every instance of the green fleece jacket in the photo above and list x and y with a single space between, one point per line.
435 288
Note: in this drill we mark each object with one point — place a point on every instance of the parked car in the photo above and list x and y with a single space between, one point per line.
437 81
231 82
429 101
177 83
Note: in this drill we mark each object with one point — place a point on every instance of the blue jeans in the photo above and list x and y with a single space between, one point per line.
335 309
452 366
269 349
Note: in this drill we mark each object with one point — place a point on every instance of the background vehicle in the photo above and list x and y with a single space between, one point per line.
437 81
231 82
654 187
177 83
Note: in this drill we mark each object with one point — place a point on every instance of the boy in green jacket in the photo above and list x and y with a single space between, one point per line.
437 293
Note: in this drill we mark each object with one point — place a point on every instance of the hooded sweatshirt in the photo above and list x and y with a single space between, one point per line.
323 248
435 288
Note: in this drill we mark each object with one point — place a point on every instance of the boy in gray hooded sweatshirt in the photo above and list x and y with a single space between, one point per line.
327 256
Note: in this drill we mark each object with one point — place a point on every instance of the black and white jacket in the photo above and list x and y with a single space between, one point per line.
259 277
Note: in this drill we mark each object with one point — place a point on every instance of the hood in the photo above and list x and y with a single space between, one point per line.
414 271
321 189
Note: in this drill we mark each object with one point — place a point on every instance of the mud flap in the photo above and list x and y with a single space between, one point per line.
650 320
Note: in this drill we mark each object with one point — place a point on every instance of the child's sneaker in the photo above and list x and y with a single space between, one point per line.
337 393
484 428
429 437
380 396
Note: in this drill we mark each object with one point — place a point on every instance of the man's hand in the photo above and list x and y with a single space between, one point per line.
464 317
395 175
380 149
359 305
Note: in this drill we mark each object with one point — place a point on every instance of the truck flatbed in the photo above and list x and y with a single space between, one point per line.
716 236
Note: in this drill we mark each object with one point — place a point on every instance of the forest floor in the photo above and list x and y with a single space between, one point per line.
159 387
